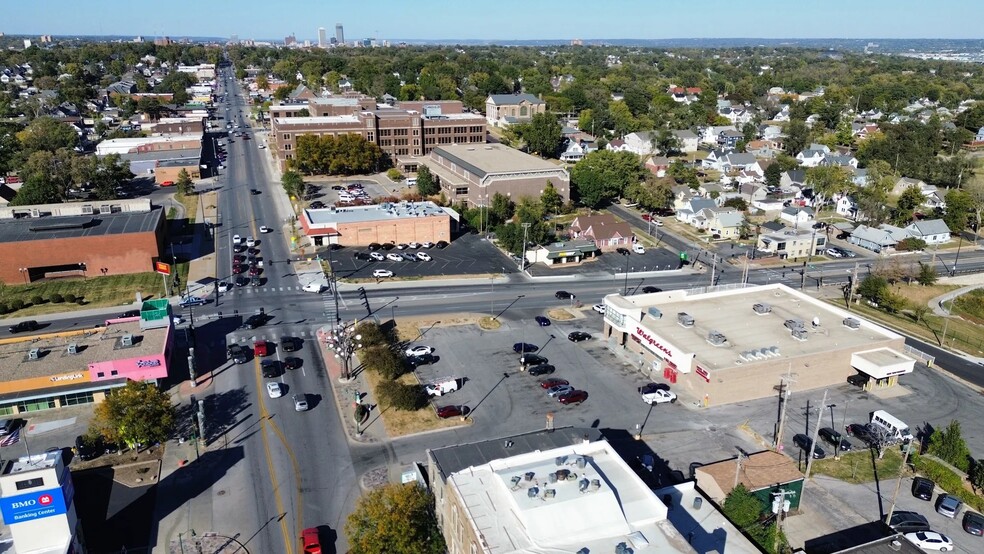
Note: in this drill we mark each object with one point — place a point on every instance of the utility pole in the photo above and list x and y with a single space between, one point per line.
784 401
779 506
809 258
738 460
813 445
853 286
898 484
526 228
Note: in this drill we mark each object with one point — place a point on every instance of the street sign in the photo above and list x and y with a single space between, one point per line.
162 268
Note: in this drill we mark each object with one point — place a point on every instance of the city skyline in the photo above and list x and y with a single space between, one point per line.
395 20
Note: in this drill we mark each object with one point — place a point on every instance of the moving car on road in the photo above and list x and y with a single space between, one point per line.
192 301
274 390
600 308
563 295
24 326
300 403
310 543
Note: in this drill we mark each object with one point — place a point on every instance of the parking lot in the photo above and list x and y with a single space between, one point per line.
466 255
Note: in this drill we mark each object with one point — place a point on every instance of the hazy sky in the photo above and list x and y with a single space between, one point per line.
499 19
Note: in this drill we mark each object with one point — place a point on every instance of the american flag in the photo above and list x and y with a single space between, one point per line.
11 438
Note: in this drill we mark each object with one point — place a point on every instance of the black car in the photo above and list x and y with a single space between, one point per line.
650 388
270 368
973 523
362 256
441 244
541 369
290 344
241 281
908 522
622 251
317 205
237 354
421 359
563 295
578 336
521 347
532 359
650 290
923 488
254 191
292 362
253 321
805 442
24 326
89 447
374 246
130 313
863 433
834 438
858 379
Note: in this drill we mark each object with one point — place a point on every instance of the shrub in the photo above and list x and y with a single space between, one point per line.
17 304
401 396
55 298
383 360
37 300
4 308
372 334
910 244
70 298
394 174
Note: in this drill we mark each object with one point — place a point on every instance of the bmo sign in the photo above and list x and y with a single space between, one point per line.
36 505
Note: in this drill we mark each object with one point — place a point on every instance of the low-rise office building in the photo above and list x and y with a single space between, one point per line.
396 222
738 344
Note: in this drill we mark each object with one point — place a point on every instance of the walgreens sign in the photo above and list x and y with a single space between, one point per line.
648 340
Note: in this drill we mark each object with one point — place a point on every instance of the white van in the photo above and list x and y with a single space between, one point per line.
638 248
411 181
893 426
442 387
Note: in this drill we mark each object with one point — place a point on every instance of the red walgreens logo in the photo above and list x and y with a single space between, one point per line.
652 342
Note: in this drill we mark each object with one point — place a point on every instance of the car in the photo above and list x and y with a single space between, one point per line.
262 146
254 191
930 540
858 379
553 382
381 273
863 432
274 390
573 397
293 362
254 270
250 242
558 390
373 246
413 245
532 359
650 290
239 248
310 543
264 229
388 246
657 223
300 403
394 257
445 412
423 359
337 187
241 281
542 321
236 239
237 354
316 205
973 523
376 256
948 505
223 286
442 244
600 308
418 350
650 388
401 246
424 256
659 396
409 256
167 184
638 248
255 281
290 344
542 369
427 245
253 321
805 443
578 336
833 438
563 295
270 369
923 488
834 253
647 217
523 347
622 251
192 301
362 255
130 313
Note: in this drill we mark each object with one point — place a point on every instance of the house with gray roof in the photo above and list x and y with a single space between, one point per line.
729 138
687 140
813 156
883 237
840 160
933 231
726 223
738 162
793 178
689 212
797 216
503 110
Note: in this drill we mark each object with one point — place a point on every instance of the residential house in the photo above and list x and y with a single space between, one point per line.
980 135
933 231
933 197
687 140
883 237
301 93
726 223
813 156
657 165
683 95
729 138
860 177
603 230
793 178
572 251
709 135
559 81
738 162
502 110
846 206
764 148
753 192
641 143
575 151
797 216
714 158
790 243
688 213
783 114
616 145
682 194
840 160
710 190
737 115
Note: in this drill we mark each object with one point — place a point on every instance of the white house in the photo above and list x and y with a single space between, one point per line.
846 206
933 231
688 214
687 140
797 216
980 135
641 142
813 156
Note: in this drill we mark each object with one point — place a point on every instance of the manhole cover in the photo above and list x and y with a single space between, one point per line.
220 493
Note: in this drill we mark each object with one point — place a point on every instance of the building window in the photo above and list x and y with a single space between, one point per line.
74 399
290 156
7 410
287 147
114 373
522 111
460 190
36 405
286 136
100 374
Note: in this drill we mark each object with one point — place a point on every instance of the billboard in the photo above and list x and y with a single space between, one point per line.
31 506
162 268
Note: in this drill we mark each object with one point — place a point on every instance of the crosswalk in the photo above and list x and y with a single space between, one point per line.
245 291
269 334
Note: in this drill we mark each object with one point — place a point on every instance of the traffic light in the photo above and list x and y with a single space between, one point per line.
365 299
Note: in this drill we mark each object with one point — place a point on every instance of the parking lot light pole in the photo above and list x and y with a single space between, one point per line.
544 347
836 446
625 285
526 228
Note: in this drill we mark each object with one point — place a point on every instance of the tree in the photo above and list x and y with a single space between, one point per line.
959 205
401 396
910 199
737 203
383 360
37 190
347 154
826 181
47 133
551 200
262 82
873 288
136 414
797 136
184 184
773 175
976 475
948 445
742 507
927 275
543 135
426 184
666 142
501 210
395 519
293 183
651 194
603 175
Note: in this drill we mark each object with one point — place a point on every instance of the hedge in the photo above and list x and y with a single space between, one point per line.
947 480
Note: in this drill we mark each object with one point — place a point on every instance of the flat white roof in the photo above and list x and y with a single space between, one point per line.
330 217
32 463
564 500
312 120
704 527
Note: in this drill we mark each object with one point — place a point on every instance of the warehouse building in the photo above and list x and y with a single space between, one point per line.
395 222
738 344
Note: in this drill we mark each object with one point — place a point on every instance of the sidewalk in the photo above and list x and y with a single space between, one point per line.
936 304
346 394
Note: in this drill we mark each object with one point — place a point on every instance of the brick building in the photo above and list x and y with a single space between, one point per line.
79 239
401 222
474 173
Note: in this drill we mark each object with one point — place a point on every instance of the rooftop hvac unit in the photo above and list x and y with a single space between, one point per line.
655 313
595 485
126 340
532 492
685 319
549 493
800 334
581 462
852 323
582 485
715 338
560 460
762 309
793 324
552 477
515 481
529 475
563 474
34 354
774 351
73 348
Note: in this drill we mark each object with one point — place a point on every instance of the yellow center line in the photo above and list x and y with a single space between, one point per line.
265 420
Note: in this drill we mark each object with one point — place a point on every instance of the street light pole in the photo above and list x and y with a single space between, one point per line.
836 446
526 228
953 269
625 285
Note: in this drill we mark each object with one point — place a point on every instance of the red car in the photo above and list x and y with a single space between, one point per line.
310 543
451 411
647 217
237 269
573 397
254 271
552 382
167 184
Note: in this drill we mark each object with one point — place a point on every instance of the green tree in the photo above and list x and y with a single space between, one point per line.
651 194
737 203
426 183
927 275
551 200
395 519
910 199
873 288
773 175
401 396
47 133
542 135
184 184
372 334
959 205
501 210
827 180
293 183
949 445
976 475
262 82
603 176
36 190
797 136
136 414
742 507
383 360
666 142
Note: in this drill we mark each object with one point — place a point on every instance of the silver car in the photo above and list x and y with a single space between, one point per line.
300 403
559 390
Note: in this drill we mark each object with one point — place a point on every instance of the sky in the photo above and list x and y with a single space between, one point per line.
499 19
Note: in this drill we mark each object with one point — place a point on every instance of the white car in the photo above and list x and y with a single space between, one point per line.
262 146
236 239
378 273
394 257
657 223
250 242
414 245
638 248
659 396
377 256
265 229
419 350
930 540
426 245
600 308
313 287
274 390
300 403
559 390
424 256
223 286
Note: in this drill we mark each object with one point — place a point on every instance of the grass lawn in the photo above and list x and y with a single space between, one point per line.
856 467
113 290
190 203
399 422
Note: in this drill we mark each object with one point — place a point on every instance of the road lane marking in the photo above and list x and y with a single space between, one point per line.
265 418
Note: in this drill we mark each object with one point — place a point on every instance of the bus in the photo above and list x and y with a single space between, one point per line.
894 427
